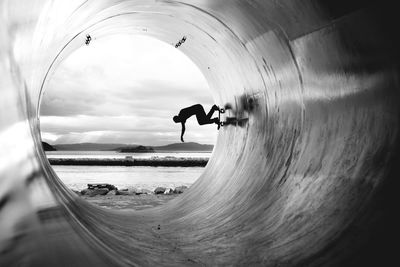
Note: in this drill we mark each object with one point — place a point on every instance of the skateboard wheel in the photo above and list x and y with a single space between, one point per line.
222 110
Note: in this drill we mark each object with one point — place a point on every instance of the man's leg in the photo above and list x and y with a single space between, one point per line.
215 120
211 112
202 118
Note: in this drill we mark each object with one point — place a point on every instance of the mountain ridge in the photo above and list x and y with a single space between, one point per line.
89 147
189 146
48 147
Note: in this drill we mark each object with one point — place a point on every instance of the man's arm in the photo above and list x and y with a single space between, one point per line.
183 131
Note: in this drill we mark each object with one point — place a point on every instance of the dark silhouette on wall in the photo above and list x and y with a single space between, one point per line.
241 122
88 39
178 44
238 116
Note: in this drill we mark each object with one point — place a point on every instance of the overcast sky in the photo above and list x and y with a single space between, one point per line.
124 89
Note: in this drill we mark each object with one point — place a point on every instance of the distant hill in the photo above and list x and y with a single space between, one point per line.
137 149
90 147
48 147
190 146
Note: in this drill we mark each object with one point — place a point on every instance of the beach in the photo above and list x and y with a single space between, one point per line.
112 197
134 173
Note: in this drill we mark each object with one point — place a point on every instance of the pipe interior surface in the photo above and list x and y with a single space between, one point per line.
306 177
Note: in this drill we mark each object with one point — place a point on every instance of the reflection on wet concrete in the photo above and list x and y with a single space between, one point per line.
241 122
238 114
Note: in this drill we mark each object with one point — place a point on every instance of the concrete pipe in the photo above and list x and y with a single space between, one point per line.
304 176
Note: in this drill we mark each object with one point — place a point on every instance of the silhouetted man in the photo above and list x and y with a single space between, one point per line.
201 116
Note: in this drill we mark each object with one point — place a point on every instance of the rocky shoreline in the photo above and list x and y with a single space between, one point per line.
109 196
109 189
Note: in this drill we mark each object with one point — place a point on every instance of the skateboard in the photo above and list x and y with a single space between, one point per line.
88 39
178 44
220 110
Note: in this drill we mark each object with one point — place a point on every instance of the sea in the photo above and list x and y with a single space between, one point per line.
144 177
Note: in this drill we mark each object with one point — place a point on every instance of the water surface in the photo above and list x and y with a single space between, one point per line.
146 177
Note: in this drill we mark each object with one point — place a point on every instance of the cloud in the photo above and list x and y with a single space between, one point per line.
157 131
124 89
104 79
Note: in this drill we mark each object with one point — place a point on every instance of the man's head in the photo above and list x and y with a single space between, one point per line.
176 119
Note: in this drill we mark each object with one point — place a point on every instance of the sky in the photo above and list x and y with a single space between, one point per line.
124 89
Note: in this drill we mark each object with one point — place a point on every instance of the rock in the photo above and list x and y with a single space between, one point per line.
139 192
180 189
122 192
143 192
98 186
112 192
85 192
159 190
146 191
133 190
168 191
128 191
100 191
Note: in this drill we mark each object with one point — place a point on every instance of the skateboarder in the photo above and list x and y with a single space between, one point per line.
201 116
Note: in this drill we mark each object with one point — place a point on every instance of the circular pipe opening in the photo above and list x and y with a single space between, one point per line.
107 101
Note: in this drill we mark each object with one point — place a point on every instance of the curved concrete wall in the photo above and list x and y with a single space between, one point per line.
306 178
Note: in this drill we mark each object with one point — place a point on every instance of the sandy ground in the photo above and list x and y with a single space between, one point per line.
136 202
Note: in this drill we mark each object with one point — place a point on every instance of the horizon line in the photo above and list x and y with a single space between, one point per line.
135 144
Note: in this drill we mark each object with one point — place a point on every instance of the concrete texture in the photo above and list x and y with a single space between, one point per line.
309 179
